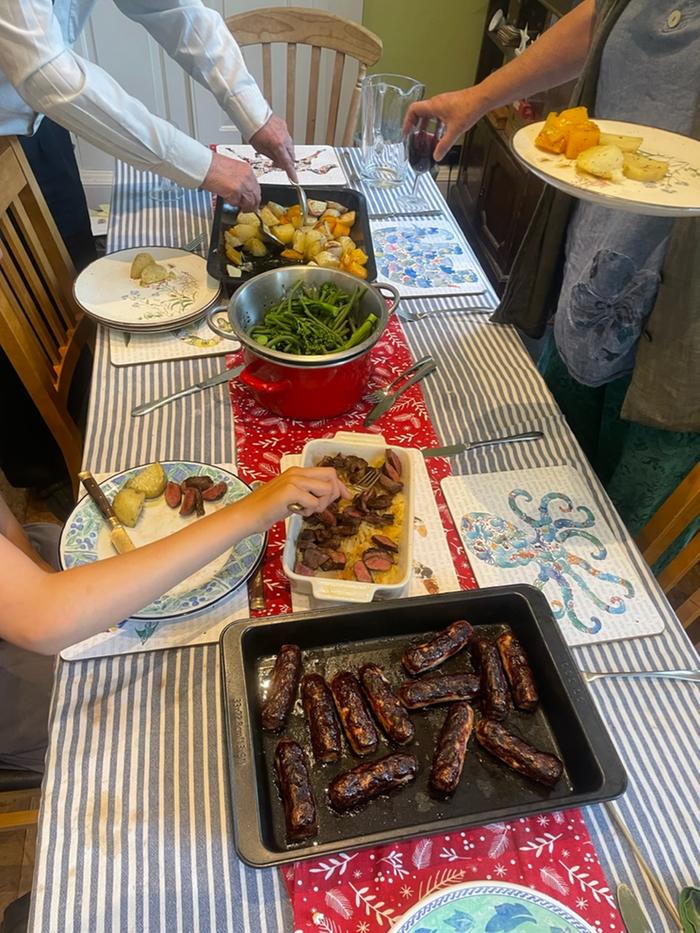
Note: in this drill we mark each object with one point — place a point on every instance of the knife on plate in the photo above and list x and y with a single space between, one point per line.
381 407
121 542
634 918
225 376
453 449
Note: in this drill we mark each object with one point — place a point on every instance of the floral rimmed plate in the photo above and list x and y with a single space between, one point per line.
490 907
675 195
85 538
108 294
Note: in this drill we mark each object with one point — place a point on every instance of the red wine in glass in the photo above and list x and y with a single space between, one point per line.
421 141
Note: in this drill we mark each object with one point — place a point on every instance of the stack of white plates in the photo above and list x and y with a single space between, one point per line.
107 293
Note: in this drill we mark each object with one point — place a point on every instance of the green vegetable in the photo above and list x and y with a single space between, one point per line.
312 320
689 909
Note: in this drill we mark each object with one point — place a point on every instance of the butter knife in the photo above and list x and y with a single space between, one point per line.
381 407
121 542
225 376
453 449
256 584
632 914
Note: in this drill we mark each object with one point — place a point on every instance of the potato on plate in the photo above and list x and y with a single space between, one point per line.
154 273
626 143
601 161
128 505
642 168
151 481
139 263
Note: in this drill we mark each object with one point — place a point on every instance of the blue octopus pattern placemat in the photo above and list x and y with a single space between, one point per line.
424 257
542 527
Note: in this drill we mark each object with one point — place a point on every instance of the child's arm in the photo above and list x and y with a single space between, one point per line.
46 612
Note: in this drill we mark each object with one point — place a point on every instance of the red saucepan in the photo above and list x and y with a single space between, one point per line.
306 387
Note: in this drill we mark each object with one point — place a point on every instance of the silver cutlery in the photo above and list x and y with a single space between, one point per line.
692 676
378 394
256 584
633 916
194 244
403 215
382 407
348 167
118 535
407 315
216 380
453 449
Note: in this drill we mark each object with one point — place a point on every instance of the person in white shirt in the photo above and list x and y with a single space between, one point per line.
40 74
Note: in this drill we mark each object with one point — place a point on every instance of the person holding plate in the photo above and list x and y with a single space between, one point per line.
623 355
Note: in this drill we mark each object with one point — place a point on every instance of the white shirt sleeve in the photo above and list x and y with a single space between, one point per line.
81 96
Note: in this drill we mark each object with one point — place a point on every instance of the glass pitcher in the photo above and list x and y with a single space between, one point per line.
385 100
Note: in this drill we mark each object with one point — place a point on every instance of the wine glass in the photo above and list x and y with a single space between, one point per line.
166 192
420 142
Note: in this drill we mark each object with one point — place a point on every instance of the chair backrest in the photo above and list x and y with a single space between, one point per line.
42 330
296 26
671 519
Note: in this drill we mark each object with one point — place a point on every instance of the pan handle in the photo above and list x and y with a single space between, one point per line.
383 287
248 378
226 334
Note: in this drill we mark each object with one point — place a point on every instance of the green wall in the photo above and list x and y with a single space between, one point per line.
435 41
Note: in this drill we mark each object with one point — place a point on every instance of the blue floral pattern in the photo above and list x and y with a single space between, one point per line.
420 256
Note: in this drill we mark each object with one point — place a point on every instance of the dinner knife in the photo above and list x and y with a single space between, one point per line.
634 918
225 376
121 542
453 449
381 407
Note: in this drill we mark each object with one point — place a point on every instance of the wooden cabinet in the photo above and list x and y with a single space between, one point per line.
494 196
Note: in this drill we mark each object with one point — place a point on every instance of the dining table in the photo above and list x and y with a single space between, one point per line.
135 829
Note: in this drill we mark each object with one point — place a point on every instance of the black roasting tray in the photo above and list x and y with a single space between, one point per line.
566 723
225 217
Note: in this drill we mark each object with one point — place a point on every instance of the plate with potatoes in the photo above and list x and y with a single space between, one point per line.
147 289
628 166
153 501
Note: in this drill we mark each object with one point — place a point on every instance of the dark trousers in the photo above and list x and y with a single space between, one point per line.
29 455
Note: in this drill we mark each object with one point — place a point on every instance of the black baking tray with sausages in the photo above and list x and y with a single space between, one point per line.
225 216
565 723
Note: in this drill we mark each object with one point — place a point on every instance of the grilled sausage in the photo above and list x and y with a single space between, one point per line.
320 715
442 688
518 755
283 688
494 690
518 672
292 769
439 648
451 749
354 714
367 781
388 712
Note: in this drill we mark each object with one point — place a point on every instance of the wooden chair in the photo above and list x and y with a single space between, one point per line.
662 529
42 330
295 26
22 786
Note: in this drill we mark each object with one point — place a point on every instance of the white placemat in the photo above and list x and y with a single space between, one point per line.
135 635
433 569
198 339
316 165
425 257
542 527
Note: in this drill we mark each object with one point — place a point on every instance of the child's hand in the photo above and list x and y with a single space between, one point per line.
314 488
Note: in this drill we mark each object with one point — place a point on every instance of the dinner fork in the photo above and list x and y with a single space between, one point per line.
379 394
693 676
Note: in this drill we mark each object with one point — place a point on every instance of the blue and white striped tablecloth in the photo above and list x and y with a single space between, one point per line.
135 831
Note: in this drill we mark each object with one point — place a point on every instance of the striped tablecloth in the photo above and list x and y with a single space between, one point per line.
135 831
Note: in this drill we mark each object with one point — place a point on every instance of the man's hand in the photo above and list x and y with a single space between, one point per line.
234 181
273 140
458 110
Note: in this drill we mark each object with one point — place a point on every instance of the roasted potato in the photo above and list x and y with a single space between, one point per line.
601 161
255 247
151 481
153 273
642 168
626 143
284 232
245 232
139 263
248 220
128 505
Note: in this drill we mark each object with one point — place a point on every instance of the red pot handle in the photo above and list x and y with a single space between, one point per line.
260 385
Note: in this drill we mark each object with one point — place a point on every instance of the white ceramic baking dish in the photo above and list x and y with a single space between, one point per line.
369 446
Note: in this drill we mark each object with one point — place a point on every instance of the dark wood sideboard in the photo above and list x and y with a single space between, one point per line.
493 196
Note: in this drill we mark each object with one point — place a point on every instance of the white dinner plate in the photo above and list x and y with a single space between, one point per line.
85 539
489 905
108 294
675 195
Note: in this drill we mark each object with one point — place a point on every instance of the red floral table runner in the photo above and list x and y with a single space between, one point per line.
369 890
